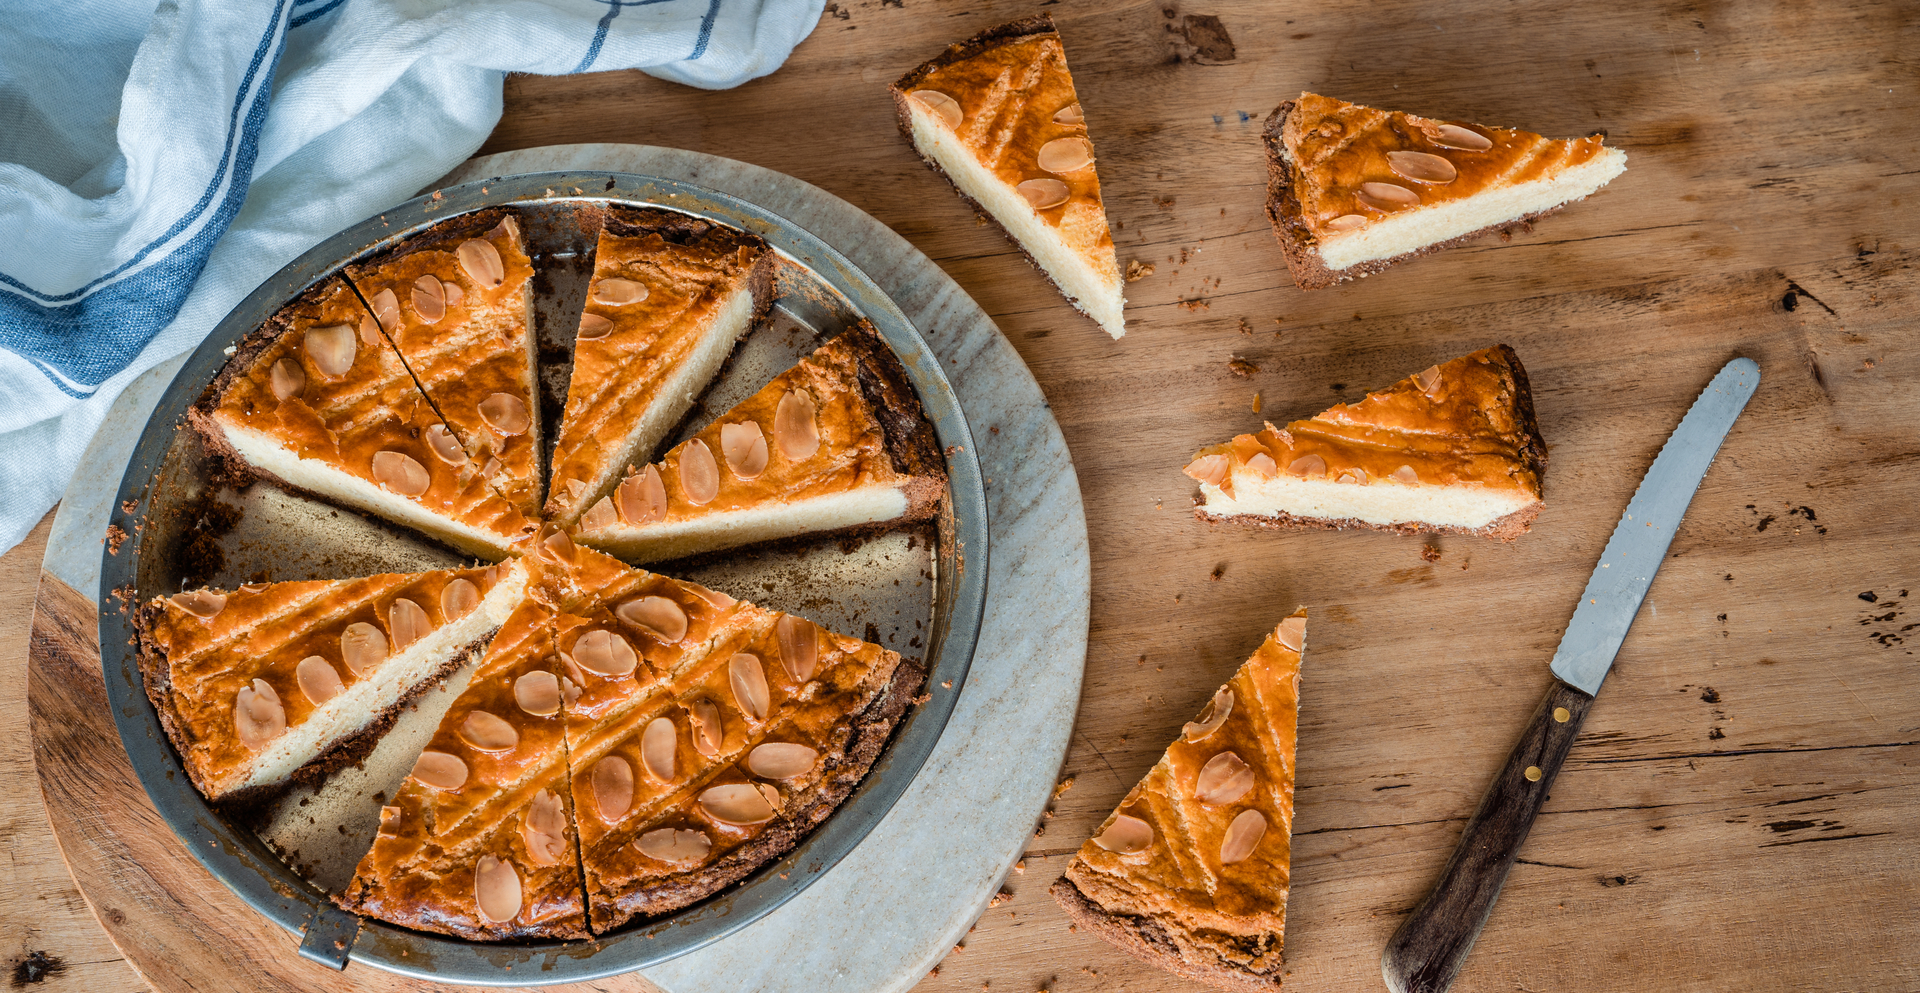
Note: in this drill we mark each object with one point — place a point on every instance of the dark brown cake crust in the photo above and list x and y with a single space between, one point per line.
157 677
1297 242
1147 940
842 772
910 439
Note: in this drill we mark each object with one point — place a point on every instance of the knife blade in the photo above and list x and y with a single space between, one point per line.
1431 945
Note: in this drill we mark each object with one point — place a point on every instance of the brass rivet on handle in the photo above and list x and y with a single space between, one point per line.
1561 715
1533 774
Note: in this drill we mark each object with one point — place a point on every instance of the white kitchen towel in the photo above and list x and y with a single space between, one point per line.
158 163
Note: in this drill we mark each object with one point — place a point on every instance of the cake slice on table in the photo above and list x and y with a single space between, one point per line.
998 117
669 297
479 841
708 736
317 400
1191 873
1452 449
837 443
1352 190
456 302
275 683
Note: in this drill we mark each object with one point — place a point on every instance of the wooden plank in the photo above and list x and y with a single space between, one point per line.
1738 811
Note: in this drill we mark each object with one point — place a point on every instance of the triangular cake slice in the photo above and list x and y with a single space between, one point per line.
835 444
1452 449
669 297
280 682
479 841
1191 873
708 736
998 117
318 401
1352 190
458 305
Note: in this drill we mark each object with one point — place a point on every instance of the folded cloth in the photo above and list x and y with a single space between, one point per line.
158 163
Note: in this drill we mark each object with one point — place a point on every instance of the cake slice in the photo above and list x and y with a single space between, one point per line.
835 444
669 297
997 115
1352 190
1451 449
708 736
479 842
457 304
316 400
1191 873
274 683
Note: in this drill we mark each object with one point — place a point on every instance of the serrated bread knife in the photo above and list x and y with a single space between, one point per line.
1426 953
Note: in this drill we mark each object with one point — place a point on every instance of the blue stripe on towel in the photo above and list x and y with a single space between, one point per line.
600 30
706 30
82 344
304 16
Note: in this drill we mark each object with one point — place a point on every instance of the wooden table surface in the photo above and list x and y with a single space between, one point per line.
1740 811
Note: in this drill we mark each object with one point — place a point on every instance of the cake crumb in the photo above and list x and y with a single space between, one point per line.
1242 367
1245 327
1256 402
1430 553
116 536
1020 867
946 684
1138 270
1067 783
1218 571
999 898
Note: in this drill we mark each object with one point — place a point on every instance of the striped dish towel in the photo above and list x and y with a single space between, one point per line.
158 163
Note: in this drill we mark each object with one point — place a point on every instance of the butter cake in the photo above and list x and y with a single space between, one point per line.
708 736
278 682
1451 449
997 115
318 401
457 303
480 842
1352 190
836 443
1191 872
669 297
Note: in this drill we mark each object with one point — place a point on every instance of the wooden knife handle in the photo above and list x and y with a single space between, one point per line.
1426 953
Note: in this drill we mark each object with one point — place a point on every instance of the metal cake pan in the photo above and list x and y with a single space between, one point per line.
920 593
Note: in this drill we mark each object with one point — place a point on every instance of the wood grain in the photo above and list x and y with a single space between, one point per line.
1738 813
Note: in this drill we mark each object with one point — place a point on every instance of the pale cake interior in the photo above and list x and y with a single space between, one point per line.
673 539
1411 230
267 453
1384 501
676 396
369 698
1095 291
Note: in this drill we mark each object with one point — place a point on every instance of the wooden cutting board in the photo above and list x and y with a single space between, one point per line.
1740 811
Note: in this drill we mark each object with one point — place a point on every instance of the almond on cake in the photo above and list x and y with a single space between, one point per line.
1352 190
456 301
274 683
669 297
1192 871
318 401
1451 449
837 443
480 841
997 115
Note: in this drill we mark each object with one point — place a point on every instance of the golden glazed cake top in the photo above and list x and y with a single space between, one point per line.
1204 841
322 380
1460 423
1353 165
675 773
810 432
1013 106
245 665
479 840
651 297
457 309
